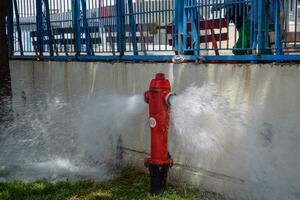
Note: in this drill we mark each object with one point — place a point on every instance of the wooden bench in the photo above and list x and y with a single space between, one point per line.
63 40
146 34
209 25
291 39
110 36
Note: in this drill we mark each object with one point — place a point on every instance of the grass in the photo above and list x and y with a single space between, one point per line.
129 185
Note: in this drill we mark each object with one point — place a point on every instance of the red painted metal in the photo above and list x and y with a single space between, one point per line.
159 109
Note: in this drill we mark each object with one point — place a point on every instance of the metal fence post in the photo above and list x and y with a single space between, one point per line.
121 36
76 25
261 26
88 43
48 24
10 30
39 27
278 44
180 26
195 29
18 27
132 27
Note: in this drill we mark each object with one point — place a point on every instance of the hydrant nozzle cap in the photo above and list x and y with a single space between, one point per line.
168 98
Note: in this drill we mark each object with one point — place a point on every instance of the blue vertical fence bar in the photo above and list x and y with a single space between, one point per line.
121 35
286 16
92 28
180 26
48 24
132 27
195 31
10 29
18 27
296 22
88 43
261 24
76 25
278 44
39 27
254 24
183 30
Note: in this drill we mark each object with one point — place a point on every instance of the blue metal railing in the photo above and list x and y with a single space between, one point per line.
213 30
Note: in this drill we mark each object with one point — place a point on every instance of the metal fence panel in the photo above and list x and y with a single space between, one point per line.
154 29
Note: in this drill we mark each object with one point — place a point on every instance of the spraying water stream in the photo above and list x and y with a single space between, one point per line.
55 139
58 137
229 144
204 121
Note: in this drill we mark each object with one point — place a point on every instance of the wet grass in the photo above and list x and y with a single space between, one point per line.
129 185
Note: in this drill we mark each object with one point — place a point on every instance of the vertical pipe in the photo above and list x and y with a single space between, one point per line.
106 7
195 32
46 4
254 34
101 25
143 26
76 25
261 26
226 6
296 24
86 29
39 27
158 17
18 27
286 22
251 28
120 10
242 14
234 11
205 16
152 11
132 27
148 19
10 30
165 22
278 44
180 26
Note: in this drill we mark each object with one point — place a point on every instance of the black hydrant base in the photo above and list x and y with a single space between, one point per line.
158 175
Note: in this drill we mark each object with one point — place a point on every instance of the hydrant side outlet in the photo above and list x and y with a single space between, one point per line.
159 161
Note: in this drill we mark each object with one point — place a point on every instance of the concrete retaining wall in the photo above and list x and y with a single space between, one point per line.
263 162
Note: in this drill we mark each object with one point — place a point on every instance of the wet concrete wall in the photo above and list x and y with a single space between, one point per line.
261 160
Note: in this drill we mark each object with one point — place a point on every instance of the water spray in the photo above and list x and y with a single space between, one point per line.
158 98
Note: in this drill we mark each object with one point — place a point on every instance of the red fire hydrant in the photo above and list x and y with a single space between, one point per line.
160 160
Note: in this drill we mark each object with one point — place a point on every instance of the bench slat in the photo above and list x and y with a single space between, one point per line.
204 39
128 39
95 29
71 41
144 27
204 25
68 41
290 37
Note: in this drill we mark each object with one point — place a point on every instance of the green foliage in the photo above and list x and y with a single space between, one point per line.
129 185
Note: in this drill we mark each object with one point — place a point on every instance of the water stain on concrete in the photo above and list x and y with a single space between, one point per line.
267 133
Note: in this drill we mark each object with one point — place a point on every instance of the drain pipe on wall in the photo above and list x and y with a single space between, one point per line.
158 97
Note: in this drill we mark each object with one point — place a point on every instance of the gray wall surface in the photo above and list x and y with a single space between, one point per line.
258 155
